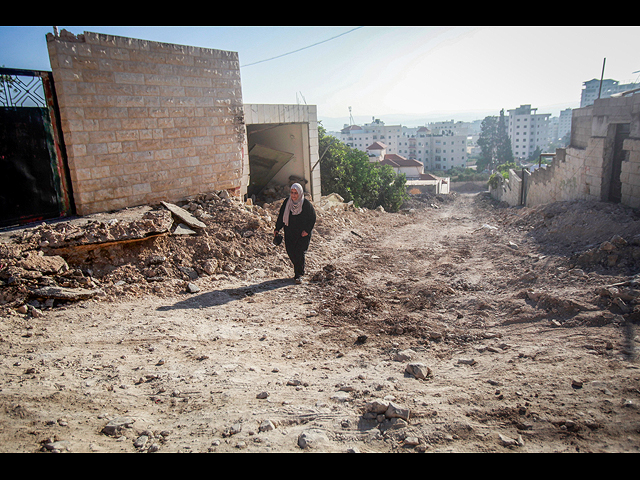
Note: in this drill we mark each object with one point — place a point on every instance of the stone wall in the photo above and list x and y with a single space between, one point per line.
146 121
583 171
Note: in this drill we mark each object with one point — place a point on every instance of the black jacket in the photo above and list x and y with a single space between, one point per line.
305 221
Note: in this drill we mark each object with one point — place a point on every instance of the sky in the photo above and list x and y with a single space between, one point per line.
398 74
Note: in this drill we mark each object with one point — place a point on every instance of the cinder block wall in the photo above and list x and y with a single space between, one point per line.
578 172
146 121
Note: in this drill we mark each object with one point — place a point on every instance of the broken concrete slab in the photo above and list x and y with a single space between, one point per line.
184 216
68 294
44 263
182 229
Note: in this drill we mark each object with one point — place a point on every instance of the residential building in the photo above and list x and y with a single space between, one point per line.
442 149
564 122
592 90
528 130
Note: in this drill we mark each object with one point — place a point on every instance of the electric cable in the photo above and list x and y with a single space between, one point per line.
300 49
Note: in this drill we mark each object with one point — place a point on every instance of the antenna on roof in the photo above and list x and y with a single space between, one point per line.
351 122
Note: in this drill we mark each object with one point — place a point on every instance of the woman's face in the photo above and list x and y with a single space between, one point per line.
294 195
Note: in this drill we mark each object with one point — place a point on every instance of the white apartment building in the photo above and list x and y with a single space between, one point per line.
564 122
528 130
434 150
592 90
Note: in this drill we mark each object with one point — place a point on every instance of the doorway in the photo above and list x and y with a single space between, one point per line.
622 131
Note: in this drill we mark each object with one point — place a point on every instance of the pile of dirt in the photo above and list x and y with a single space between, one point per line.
161 250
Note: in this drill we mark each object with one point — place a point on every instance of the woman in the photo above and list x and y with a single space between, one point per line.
298 218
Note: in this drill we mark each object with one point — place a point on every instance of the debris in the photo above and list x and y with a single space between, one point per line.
184 216
418 370
61 293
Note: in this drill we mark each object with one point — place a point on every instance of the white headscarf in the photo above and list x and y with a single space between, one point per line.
292 207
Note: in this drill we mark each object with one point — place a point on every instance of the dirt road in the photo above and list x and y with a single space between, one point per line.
478 328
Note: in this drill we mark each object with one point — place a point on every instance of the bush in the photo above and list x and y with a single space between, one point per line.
349 173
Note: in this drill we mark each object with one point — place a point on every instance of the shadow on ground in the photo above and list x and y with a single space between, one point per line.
226 295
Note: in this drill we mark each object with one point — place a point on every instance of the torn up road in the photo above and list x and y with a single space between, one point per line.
457 325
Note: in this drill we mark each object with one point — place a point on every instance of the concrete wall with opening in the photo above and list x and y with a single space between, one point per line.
281 147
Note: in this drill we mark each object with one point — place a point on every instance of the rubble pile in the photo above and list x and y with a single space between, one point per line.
162 249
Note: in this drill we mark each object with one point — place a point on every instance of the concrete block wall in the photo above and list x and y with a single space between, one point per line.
630 175
146 121
563 180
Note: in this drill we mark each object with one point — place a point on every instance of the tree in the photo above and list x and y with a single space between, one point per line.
495 147
349 173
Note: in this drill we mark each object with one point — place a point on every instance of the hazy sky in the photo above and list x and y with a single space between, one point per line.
381 71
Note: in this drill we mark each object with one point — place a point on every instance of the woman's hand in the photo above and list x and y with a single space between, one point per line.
304 234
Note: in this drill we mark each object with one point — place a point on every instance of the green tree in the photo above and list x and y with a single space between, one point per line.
495 147
349 173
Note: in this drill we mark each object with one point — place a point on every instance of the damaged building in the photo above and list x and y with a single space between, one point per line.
602 162
127 122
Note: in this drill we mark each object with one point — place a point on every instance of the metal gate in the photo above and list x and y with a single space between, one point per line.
34 178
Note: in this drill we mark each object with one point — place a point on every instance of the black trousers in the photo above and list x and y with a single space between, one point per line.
297 247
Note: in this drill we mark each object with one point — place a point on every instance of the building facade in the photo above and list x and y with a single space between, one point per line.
592 90
443 148
528 130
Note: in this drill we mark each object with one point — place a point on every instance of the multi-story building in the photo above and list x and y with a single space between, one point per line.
564 122
592 90
441 149
528 130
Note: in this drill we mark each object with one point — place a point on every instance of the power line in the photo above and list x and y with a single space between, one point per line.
303 48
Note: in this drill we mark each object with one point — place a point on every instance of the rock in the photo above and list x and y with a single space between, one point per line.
376 406
266 426
116 426
59 446
182 229
44 264
312 439
607 246
192 288
61 293
411 441
418 370
210 266
141 441
184 216
510 442
262 395
396 411
404 355
466 361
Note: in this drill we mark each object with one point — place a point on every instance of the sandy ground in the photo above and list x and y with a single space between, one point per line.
482 328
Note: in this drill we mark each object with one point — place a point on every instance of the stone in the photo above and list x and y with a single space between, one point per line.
312 439
184 216
61 293
116 426
396 411
466 361
266 426
44 264
511 442
376 407
404 355
182 229
418 370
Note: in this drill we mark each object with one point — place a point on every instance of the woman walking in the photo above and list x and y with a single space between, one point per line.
298 218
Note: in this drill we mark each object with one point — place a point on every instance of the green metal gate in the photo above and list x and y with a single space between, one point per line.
34 178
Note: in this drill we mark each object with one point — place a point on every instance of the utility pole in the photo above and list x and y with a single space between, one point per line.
601 77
